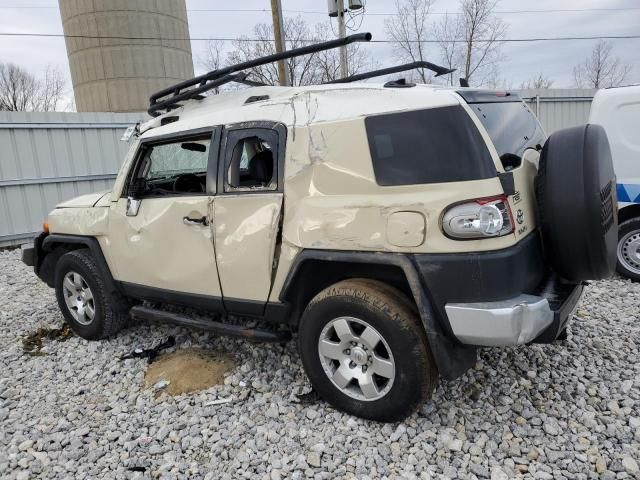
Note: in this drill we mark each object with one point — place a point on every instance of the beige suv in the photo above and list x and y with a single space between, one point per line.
396 228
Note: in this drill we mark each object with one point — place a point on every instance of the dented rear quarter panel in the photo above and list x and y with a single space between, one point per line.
332 200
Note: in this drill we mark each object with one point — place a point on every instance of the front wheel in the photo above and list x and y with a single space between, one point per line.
629 249
89 309
365 352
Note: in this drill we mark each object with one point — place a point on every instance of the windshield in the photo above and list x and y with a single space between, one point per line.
511 125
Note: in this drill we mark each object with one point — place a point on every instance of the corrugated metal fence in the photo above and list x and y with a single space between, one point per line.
559 108
46 158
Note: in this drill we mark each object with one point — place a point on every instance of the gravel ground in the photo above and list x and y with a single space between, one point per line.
570 410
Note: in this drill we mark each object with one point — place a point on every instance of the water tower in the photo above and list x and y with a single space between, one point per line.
118 72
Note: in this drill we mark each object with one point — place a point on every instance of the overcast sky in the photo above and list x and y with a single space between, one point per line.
522 60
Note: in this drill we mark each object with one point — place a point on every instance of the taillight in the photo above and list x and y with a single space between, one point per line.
482 218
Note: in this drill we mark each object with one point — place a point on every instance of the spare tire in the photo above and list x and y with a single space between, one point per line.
577 206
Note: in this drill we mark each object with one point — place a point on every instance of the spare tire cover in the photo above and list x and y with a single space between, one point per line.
577 205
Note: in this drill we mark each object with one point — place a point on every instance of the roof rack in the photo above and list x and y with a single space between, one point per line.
398 68
170 97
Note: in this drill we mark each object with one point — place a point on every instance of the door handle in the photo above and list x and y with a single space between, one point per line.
195 221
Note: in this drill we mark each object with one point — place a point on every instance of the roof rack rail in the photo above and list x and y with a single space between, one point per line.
170 96
398 68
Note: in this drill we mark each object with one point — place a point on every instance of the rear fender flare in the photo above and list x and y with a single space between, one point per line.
452 358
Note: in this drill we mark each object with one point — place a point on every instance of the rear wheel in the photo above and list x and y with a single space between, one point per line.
89 309
365 351
629 249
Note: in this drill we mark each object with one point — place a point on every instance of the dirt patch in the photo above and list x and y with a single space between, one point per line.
187 370
32 343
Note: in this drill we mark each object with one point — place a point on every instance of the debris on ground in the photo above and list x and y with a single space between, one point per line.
161 385
306 396
151 353
32 343
188 370
219 401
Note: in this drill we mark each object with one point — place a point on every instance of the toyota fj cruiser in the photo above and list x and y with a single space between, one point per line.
395 227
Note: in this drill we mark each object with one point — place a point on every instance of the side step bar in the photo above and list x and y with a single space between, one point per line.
273 336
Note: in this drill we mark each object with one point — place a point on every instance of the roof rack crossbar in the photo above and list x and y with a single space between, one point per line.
207 81
194 93
251 83
398 68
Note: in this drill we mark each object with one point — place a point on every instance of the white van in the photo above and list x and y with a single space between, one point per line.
618 111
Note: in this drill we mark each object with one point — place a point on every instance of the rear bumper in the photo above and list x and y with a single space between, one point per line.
498 298
514 321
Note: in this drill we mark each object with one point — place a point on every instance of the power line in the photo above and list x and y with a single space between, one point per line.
315 12
229 39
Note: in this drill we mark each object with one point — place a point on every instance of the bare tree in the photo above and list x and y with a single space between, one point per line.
51 90
481 33
326 64
468 40
410 29
212 59
297 34
537 82
601 69
21 91
304 70
449 33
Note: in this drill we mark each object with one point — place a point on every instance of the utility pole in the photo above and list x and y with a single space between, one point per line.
278 32
344 69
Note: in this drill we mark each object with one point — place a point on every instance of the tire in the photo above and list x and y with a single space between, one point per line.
397 358
577 205
91 312
628 251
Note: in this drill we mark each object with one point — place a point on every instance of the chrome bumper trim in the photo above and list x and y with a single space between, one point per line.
514 321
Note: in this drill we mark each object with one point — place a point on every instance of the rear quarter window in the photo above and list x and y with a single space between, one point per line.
427 146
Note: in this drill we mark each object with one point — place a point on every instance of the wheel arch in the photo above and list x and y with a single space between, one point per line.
314 270
628 212
56 245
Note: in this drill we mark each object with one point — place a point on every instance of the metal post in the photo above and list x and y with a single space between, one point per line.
538 106
344 69
278 32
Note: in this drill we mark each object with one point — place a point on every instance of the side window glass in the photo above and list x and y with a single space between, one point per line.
177 167
251 163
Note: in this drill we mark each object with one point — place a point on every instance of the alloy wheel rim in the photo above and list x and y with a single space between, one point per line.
79 298
356 358
629 251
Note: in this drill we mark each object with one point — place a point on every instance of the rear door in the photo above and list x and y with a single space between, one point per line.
517 136
248 210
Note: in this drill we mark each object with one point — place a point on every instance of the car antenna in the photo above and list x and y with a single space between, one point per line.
398 68
193 88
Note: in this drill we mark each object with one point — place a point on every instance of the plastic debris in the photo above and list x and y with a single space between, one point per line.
151 353
162 384
219 401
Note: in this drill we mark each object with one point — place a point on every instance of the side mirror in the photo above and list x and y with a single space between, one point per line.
133 205
136 189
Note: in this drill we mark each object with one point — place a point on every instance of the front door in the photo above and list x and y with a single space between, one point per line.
162 242
247 214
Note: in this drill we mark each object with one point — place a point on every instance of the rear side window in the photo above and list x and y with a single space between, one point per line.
511 125
427 146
